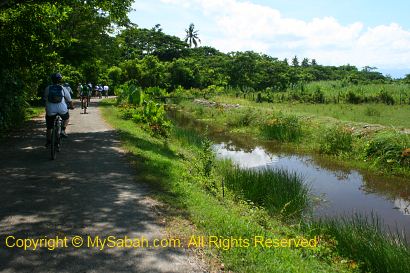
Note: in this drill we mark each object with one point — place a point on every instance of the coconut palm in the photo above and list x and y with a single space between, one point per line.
192 36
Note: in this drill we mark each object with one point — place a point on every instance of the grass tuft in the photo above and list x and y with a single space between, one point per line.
279 191
336 140
283 128
362 239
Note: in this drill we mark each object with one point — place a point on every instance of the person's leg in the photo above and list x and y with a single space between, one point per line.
49 124
66 119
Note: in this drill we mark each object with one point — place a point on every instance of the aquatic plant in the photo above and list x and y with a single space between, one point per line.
279 191
363 239
283 128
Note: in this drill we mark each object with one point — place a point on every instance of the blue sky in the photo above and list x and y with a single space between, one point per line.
362 32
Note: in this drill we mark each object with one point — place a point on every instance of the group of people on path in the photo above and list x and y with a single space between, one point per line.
86 90
58 99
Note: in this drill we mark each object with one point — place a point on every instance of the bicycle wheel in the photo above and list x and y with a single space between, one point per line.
54 141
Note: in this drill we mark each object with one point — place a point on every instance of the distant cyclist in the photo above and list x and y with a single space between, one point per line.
106 88
68 87
57 97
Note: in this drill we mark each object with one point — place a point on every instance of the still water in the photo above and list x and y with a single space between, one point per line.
342 191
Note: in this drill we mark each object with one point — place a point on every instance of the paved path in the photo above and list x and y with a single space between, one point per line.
88 190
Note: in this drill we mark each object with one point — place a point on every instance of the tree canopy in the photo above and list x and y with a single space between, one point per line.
94 41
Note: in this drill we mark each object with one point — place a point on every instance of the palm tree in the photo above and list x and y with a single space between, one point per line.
192 36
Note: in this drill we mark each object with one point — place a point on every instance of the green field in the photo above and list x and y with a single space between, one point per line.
386 115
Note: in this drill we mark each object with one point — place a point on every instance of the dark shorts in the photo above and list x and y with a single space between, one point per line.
50 119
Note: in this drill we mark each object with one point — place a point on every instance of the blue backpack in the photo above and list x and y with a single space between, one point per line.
55 93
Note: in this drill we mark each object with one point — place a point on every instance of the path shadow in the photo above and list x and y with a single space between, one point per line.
89 190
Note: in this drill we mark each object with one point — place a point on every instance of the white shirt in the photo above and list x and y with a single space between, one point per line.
57 108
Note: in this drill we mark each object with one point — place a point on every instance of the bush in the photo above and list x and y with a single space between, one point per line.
336 140
13 102
389 149
283 128
318 96
243 118
129 93
386 97
352 97
154 115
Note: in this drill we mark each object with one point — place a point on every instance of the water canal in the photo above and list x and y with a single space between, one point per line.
341 191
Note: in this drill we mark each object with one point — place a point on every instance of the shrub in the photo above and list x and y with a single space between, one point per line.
207 157
243 118
389 149
318 96
154 115
352 97
336 140
283 128
386 98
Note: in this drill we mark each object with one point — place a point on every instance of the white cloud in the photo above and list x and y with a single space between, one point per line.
242 25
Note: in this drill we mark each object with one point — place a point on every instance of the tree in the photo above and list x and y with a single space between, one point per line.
295 61
305 62
192 36
38 37
139 42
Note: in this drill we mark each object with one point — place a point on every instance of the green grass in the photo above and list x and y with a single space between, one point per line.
174 168
336 140
337 92
346 142
362 239
386 115
282 128
34 111
280 192
388 148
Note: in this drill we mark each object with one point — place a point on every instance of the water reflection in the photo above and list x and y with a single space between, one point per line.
342 190
245 159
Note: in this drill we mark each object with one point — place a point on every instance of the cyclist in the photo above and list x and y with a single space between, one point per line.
106 88
68 87
83 95
57 97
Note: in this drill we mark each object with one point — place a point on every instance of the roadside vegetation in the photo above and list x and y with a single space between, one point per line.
380 148
179 168
363 239
224 200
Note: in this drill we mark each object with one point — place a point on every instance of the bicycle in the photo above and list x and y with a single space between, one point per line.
56 136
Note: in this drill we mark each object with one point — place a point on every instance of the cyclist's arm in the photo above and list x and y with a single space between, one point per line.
67 98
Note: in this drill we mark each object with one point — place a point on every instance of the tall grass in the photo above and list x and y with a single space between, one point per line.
242 118
341 92
187 136
283 128
389 149
362 239
336 140
279 191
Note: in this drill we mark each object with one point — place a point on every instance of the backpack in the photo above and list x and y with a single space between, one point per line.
55 93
